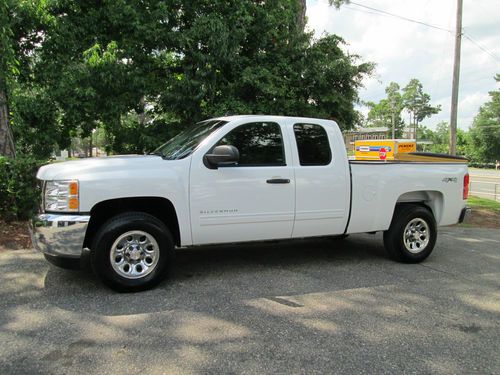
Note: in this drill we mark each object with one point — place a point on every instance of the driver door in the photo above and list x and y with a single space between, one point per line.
252 200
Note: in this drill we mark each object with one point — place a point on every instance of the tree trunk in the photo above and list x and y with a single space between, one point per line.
6 137
416 128
301 15
142 113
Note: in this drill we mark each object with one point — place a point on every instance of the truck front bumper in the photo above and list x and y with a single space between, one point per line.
59 235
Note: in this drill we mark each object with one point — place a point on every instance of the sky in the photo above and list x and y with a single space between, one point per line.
404 50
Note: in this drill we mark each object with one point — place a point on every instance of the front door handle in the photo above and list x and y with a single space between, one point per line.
278 181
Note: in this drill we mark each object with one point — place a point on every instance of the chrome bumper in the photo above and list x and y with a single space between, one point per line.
59 234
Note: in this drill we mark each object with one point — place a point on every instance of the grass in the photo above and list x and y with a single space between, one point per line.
483 203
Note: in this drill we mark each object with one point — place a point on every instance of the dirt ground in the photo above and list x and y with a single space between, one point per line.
15 235
484 218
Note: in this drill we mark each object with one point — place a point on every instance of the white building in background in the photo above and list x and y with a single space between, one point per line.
409 132
351 136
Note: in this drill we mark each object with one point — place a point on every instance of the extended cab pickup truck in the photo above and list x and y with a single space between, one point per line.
236 179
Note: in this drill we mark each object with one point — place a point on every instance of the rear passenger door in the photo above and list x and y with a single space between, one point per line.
322 180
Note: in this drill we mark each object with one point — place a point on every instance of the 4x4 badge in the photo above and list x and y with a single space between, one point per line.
450 179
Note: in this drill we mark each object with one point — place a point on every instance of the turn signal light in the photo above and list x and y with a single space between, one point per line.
73 188
73 203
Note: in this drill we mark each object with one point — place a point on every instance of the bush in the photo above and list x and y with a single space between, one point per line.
482 165
19 191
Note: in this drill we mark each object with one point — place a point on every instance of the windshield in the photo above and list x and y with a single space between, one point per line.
184 143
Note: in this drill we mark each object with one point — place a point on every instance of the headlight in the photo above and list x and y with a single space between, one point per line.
61 196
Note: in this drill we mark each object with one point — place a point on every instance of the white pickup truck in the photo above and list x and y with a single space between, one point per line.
236 179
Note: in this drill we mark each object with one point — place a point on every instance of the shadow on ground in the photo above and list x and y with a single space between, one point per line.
312 306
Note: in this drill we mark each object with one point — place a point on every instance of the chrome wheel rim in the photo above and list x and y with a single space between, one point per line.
416 235
134 254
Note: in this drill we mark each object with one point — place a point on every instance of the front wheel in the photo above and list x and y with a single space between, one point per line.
131 251
412 234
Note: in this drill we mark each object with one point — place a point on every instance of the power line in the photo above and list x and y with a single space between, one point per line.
480 46
364 11
400 17
380 12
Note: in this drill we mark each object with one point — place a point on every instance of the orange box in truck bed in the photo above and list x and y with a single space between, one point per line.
376 149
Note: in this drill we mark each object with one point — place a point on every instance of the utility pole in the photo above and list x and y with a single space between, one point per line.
456 77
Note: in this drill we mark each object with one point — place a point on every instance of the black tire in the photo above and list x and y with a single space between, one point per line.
114 229
394 237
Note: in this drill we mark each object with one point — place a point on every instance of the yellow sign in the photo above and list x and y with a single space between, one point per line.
382 149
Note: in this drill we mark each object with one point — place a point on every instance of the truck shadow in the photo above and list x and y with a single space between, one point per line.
264 307
254 270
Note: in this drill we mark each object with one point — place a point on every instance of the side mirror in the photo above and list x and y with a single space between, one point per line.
222 156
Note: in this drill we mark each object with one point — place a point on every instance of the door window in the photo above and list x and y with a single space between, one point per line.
259 144
312 144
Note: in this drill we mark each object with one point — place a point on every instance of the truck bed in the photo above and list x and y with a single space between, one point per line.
377 186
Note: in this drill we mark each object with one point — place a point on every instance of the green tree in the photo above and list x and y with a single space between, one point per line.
465 146
379 114
417 103
32 113
485 130
440 138
36 124
227 70
387 112
100 60
143 70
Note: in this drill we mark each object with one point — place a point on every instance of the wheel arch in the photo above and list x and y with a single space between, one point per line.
431 199
160 207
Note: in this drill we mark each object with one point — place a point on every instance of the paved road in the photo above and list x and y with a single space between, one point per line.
316 306
483 183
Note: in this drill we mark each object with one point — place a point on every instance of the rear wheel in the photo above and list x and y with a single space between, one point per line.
131 252
412 234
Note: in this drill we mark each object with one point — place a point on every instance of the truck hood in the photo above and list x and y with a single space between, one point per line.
75 169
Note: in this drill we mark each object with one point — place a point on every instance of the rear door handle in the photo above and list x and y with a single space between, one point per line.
278 181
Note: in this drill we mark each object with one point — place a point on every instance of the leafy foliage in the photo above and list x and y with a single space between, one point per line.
440 139
417 102
485 130
143 70
387 112
255 59
19 193
8 61
35 120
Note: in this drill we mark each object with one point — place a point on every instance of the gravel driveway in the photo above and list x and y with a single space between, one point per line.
313 306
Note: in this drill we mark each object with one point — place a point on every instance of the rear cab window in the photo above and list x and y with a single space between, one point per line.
313 145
